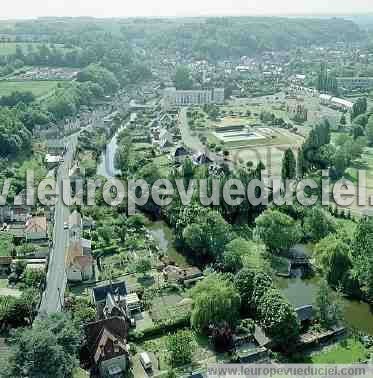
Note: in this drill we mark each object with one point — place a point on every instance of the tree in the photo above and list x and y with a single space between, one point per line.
333 255
278 317
240 252
362 253
48 349
318 223
369 130
143 265
278 231
244 283
328 308
182 78
215 301
100 75
207 235
360 107
180 348
289 165
343 121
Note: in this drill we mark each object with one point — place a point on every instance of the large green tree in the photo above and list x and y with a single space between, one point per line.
215 302
278 318
289 165
318 223
277 230
333 255
48 349
182 78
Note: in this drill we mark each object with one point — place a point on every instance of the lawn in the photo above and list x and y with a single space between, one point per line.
202 354
9 48
38 88
345 352
6 244
80 373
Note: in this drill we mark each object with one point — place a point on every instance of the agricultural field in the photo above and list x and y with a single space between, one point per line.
38 88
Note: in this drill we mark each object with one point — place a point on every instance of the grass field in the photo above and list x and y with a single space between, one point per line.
9 48
38 88
345 352
6 244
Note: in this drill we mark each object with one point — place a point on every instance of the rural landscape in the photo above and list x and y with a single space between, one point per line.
92 290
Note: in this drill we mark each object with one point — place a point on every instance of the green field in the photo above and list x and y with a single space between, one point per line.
38 88
9 48
6 244
345 352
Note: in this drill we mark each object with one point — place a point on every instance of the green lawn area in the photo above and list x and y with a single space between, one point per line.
6 244
345 352
9 48
38 88
80 373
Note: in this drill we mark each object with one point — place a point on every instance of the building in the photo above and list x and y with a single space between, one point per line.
336 103
36 229
304 314
101 294
107 345
79 262
75 225
173 97
352 83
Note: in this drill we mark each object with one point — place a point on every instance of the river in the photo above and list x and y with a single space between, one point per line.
297 290
300 292
106 166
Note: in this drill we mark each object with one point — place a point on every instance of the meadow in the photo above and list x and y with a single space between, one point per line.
38 88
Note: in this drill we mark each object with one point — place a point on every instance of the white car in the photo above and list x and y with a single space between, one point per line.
65 226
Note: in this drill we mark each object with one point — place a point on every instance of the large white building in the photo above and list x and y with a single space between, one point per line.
173 97
335 102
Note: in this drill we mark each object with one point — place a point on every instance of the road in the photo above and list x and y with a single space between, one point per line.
190 141
53 295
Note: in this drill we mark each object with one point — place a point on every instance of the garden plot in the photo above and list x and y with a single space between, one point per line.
169 306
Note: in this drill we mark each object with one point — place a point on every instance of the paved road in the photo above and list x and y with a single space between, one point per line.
56 278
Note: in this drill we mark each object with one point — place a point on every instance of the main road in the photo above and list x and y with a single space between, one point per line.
53 296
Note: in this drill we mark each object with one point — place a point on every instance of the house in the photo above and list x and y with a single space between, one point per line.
113 306
107 345
180 154
133 303
36 228
117 290
304 314
201 158
79 266
75 225
52 161
165 139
